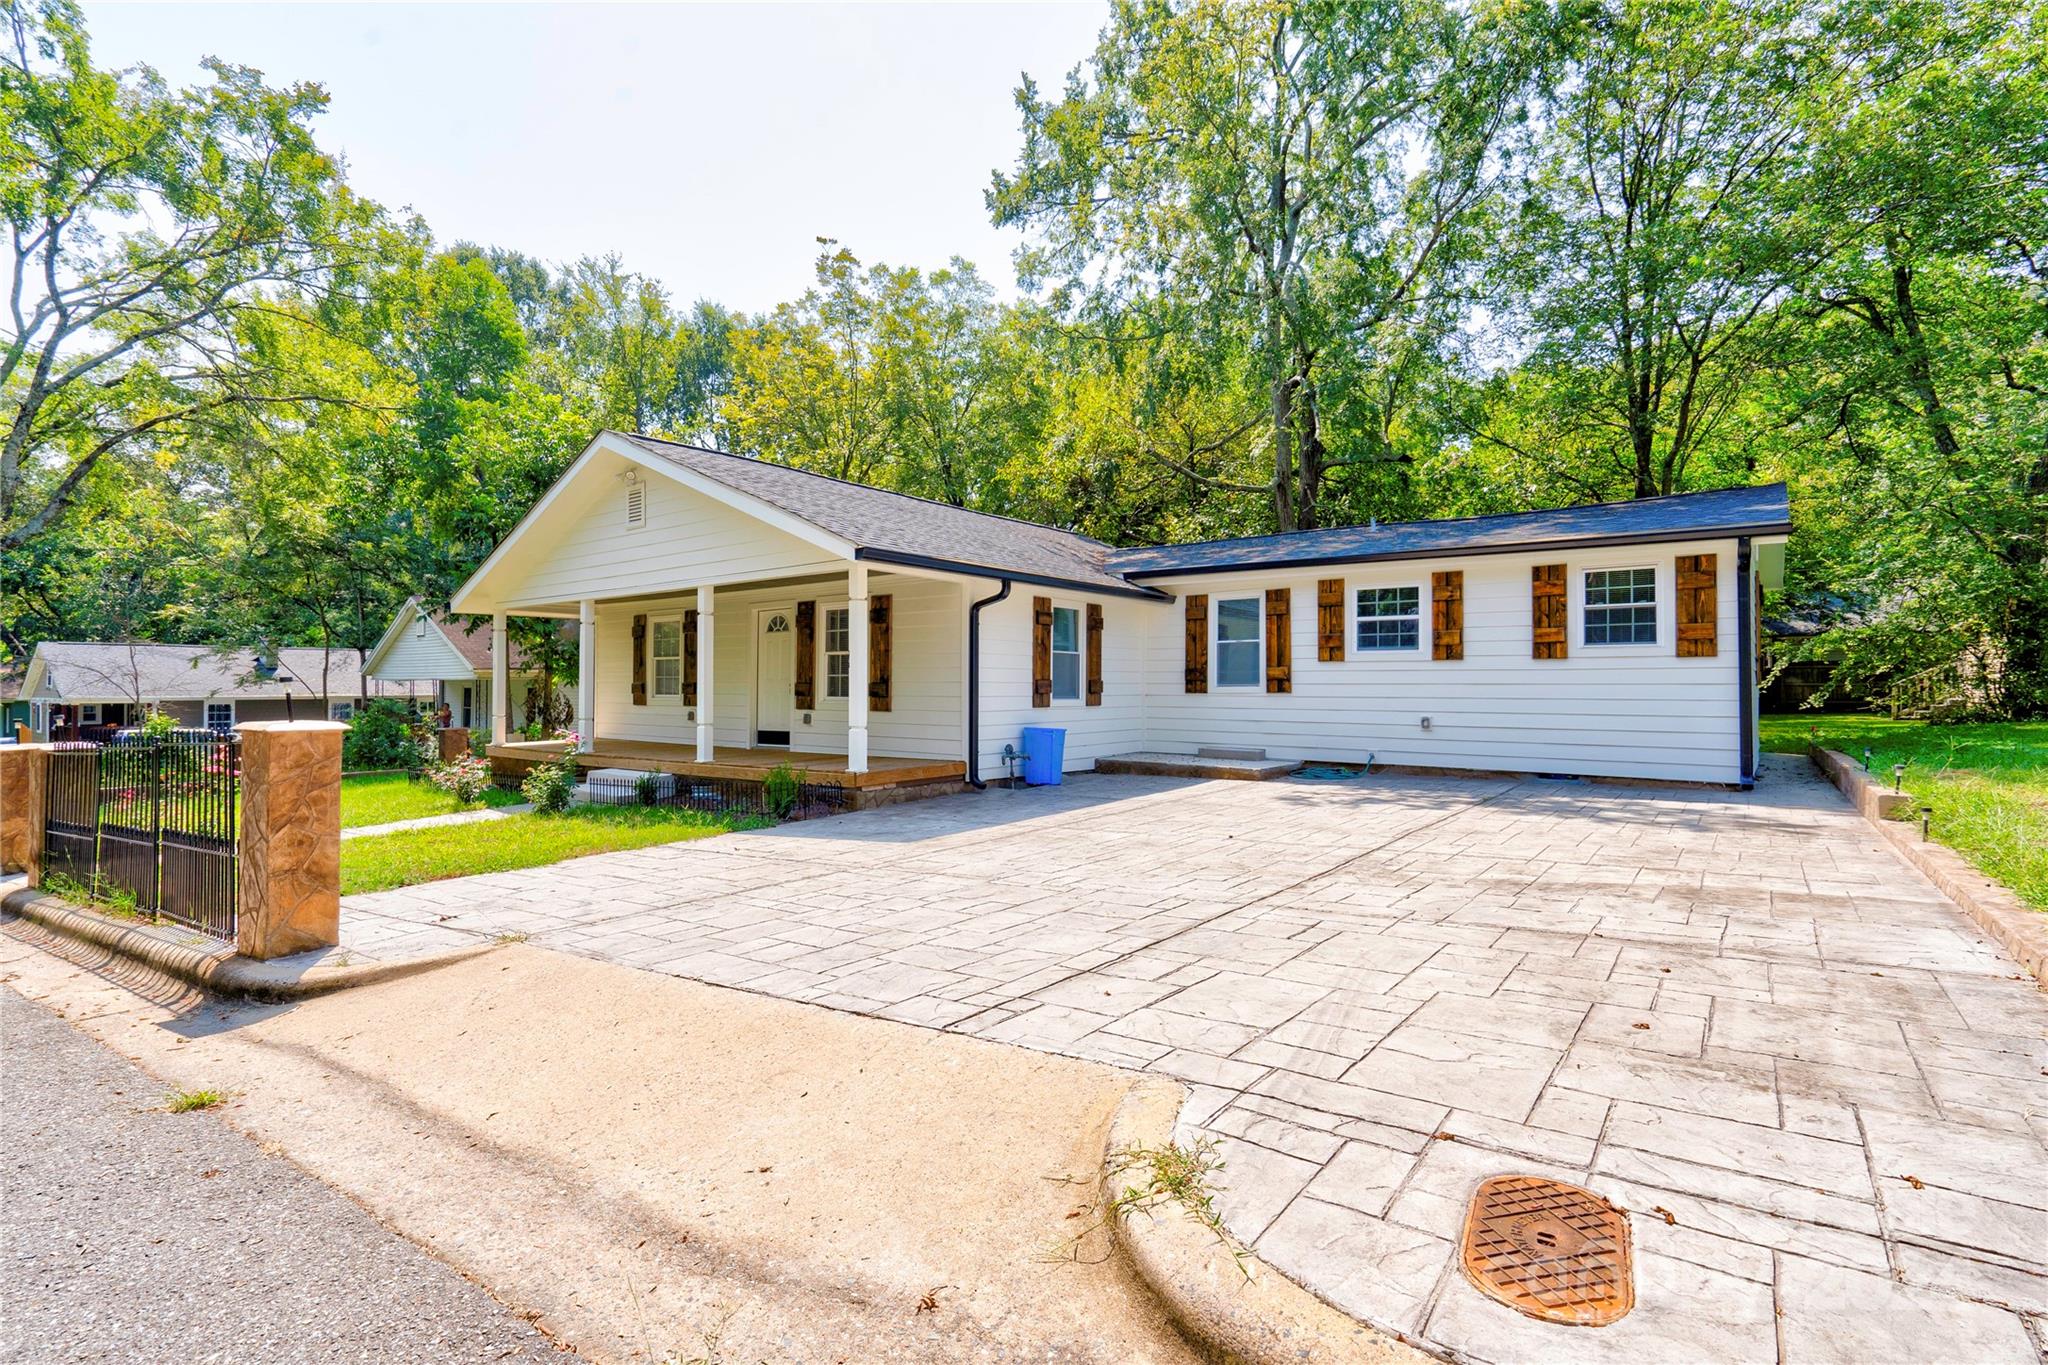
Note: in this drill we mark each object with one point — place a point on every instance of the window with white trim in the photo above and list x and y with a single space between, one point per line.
1238 645
89 713
666 649
1389 618
220 715
1621 606
1066 654
838 651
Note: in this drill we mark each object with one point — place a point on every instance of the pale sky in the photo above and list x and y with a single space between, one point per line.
708 145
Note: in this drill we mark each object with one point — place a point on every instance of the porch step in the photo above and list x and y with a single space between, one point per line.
1205 765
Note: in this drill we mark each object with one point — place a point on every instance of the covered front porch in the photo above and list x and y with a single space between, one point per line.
738 764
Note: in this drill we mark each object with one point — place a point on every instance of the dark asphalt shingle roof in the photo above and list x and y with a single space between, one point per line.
1727 511
896 524
884 525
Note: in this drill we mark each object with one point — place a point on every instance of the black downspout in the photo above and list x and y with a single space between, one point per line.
1745 688
974 686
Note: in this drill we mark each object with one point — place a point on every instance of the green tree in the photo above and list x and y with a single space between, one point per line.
1288 190
144 223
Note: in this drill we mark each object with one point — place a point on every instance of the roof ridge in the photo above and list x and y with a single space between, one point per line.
868 487
1452 521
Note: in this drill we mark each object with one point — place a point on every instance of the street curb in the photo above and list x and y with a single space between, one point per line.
2021 931
1229 1304
219 970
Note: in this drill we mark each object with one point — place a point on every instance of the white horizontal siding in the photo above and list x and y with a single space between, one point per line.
585 549
1117 726
1619 711
926 719
423 658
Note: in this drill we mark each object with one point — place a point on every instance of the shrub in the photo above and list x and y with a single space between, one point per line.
380 736
551 786
159 725
647 787
779 789
466 778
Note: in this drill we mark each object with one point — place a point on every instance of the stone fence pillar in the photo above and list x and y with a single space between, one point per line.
454 743
291 837
24 782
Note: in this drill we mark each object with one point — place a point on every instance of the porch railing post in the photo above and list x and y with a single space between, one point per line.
707 687
501 686
857 669
586 673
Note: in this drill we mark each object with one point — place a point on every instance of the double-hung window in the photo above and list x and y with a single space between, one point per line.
1237 642
838 651
1066 654
1389 618
1621 606
220 715
667 652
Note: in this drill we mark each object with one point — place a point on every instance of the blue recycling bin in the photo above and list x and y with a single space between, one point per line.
1045 748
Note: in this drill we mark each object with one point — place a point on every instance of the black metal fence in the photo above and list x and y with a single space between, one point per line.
738 798
150 822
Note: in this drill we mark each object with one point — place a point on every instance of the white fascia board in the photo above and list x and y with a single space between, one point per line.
607 442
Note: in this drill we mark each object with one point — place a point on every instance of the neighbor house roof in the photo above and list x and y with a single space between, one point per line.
1760 510
469 644
897 528
69 670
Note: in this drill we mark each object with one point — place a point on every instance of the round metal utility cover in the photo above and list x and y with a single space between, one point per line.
1551 1250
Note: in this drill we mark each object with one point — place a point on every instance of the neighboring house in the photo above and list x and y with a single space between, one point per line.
724 601
452 662
87 690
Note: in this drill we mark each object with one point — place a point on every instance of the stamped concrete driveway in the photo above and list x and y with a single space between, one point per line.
1816 1088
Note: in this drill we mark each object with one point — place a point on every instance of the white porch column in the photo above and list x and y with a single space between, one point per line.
586 673
857 669
501 681
707 735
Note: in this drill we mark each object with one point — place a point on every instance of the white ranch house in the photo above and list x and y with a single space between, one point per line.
733 613
451 663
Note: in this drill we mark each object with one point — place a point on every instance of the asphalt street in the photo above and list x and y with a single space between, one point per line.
128 1233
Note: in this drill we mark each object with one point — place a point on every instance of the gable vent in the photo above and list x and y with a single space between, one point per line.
636 505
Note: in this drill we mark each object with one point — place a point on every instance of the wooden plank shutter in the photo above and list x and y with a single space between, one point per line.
689 658
1698 608
878 652
1279 641
1547 611
1195 677
1447 614
640 660
1041 651
805 692
1095 654
1330 620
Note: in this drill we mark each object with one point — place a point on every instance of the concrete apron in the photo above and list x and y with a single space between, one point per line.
650 1166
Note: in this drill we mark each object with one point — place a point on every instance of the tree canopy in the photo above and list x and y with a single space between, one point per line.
1288 264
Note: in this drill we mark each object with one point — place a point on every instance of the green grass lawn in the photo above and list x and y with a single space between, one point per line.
1987 784
383 861
378 798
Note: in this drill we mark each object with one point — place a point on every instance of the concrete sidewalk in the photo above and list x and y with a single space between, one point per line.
657 1169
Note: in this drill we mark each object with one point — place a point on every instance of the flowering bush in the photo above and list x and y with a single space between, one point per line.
465 778
159 725
551 786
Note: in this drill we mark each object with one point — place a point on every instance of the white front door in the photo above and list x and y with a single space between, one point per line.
774 675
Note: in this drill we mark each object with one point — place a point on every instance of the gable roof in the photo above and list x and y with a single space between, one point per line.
1759 510
897 528
74 670
469 644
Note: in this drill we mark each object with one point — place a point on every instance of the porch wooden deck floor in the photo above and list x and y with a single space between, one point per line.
749 765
